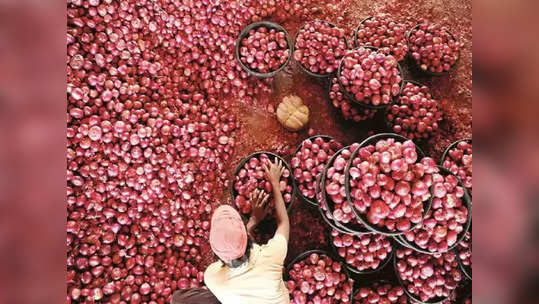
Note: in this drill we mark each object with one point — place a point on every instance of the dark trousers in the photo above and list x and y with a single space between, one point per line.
193 296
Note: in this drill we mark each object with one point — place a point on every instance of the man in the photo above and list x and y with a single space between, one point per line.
246 273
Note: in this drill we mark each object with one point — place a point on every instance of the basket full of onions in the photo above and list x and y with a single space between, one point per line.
316 276
446 223
382 31
457 158
433 48
332 186
370 78
318 47
263 49
249 175
349 109
427 278
387 184
415 114
364 253
326 215
309 162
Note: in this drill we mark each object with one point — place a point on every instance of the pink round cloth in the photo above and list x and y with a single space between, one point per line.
228 237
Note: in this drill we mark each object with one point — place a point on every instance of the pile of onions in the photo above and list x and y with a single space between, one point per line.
319 46
372 78
149 132
459 161
349 109
252 176
384 33
433 47
415 114
318 279
335 186
381 293
264 50
363 252
428 276
310 160
446 218
389 185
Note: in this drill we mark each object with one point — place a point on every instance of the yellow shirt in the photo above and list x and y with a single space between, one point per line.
259 281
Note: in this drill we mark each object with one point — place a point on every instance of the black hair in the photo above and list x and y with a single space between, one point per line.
241 260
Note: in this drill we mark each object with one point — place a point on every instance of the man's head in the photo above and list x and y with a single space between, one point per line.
228 236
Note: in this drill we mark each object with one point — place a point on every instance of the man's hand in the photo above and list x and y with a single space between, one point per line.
274 172
259 205
259 209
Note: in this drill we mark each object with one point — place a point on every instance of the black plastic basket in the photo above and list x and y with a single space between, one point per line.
355 270
467 201
305 70
306 254
327 219
436 300
269 25
347 227
362 218
242 163
309 201
426 72
353 99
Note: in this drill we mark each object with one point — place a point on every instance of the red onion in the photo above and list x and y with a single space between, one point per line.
389 185
384 33
252 177
381 293
349 109
319 46
433 48
363 252
428 276
318 279
459 162
445 220
415 115
264 50
310 160
371 77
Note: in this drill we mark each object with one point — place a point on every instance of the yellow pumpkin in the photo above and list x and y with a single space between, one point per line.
292 113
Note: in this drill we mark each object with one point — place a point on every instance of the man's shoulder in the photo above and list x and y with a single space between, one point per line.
212 271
